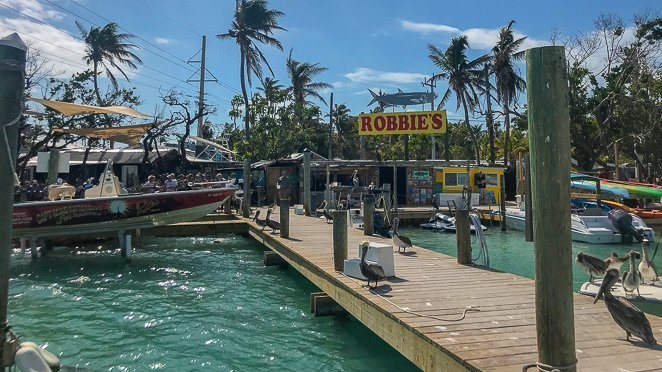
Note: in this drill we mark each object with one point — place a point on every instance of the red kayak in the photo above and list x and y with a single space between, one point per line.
117 213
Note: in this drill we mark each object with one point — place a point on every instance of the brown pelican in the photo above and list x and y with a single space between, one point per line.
646 266
399 240
624 313
435 205
593 266
355 180
259 222
328 216
631 279
615 262
370 270
272 224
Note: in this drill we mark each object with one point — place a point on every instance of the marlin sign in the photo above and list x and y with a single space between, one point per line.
402 99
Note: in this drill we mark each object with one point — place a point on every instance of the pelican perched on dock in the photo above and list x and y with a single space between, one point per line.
370 270
624 313
435 205
631 279
615 262
258 221
272 224
647 269
328 215
593 266
400 241
355 179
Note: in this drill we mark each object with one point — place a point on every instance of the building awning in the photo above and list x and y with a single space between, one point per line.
130 134
73 109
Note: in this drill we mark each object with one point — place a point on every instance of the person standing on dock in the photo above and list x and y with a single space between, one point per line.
481 183
283 187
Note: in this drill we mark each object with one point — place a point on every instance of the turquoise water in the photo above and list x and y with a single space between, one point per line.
185 304
509 252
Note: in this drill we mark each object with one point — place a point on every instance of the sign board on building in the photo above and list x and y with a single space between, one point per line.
420 175
414 122
63 164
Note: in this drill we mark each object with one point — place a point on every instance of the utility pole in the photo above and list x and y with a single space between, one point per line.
201 96
432 83
12 69
330 126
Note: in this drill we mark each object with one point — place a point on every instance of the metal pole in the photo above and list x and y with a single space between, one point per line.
330 128
246 204
201 97
549 143
306 182
12 72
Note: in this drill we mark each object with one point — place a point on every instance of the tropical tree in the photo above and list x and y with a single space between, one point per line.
508 82
463 76
253 23
272 91
108 48
301 77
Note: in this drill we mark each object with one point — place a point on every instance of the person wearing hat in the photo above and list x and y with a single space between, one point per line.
170 183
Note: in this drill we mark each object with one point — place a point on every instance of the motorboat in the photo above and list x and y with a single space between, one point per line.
445 223
106 208
593 226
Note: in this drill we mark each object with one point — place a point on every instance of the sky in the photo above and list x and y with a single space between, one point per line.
372 44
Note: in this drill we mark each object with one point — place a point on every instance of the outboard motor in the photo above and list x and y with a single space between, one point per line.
623 223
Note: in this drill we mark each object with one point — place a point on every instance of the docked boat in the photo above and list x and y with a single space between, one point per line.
647 293
445 223
105 209
593 226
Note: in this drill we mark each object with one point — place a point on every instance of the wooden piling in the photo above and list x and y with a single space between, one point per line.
369 215
528 212
53 166
321 304
246 203
306 183
339 239
502 202
284 218
271 258
463 236
549 144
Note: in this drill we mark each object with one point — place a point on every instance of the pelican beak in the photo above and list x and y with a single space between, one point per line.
600 293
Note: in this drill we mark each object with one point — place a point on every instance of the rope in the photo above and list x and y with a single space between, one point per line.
547 368
470 308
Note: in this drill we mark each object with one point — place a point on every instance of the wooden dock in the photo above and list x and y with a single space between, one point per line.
415 309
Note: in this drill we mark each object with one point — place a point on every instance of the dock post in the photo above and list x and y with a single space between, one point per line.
369 215
463 236
306 182
549 144
34 253
53 166
339 239
528 212
24 245
12 90
246 203
284 218
502 202
127 247
121 236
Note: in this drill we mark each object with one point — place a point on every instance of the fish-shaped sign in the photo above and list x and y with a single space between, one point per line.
402 98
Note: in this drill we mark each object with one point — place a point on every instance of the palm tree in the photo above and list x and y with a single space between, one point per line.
301 76
253 22
272 90
508 82
110 49
463 77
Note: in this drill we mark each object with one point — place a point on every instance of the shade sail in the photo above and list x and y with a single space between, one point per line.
130 134
73 109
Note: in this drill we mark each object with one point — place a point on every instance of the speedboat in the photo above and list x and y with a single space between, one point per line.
446 223
593 226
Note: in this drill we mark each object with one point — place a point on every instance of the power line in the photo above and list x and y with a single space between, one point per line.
168 17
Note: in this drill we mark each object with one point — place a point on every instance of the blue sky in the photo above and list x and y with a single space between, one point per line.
365 44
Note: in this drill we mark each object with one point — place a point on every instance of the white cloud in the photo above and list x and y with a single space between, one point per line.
34 8
368 75
162 41
479 38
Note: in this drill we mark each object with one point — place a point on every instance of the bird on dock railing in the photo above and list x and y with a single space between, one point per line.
400 241
328 215
272 224
259 222
370 270
615 262
593 266
435 205
646 267
625 314
631 279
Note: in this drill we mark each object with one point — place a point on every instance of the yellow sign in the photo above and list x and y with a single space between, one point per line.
415 122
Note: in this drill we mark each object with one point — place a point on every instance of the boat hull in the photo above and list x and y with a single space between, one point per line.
126 212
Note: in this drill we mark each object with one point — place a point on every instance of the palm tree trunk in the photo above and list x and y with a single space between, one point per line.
243 92
506 144
100 101
470 130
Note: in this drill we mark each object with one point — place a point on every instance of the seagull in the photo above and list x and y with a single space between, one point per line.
593 266
400 241
625 314
272 224
646 266
370 270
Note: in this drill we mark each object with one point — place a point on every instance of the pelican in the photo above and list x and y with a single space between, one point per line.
399 240
647 269
615 262
593 266
435 205
370 270
355 179
631 279
624 313
258 221
272 224
328 216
